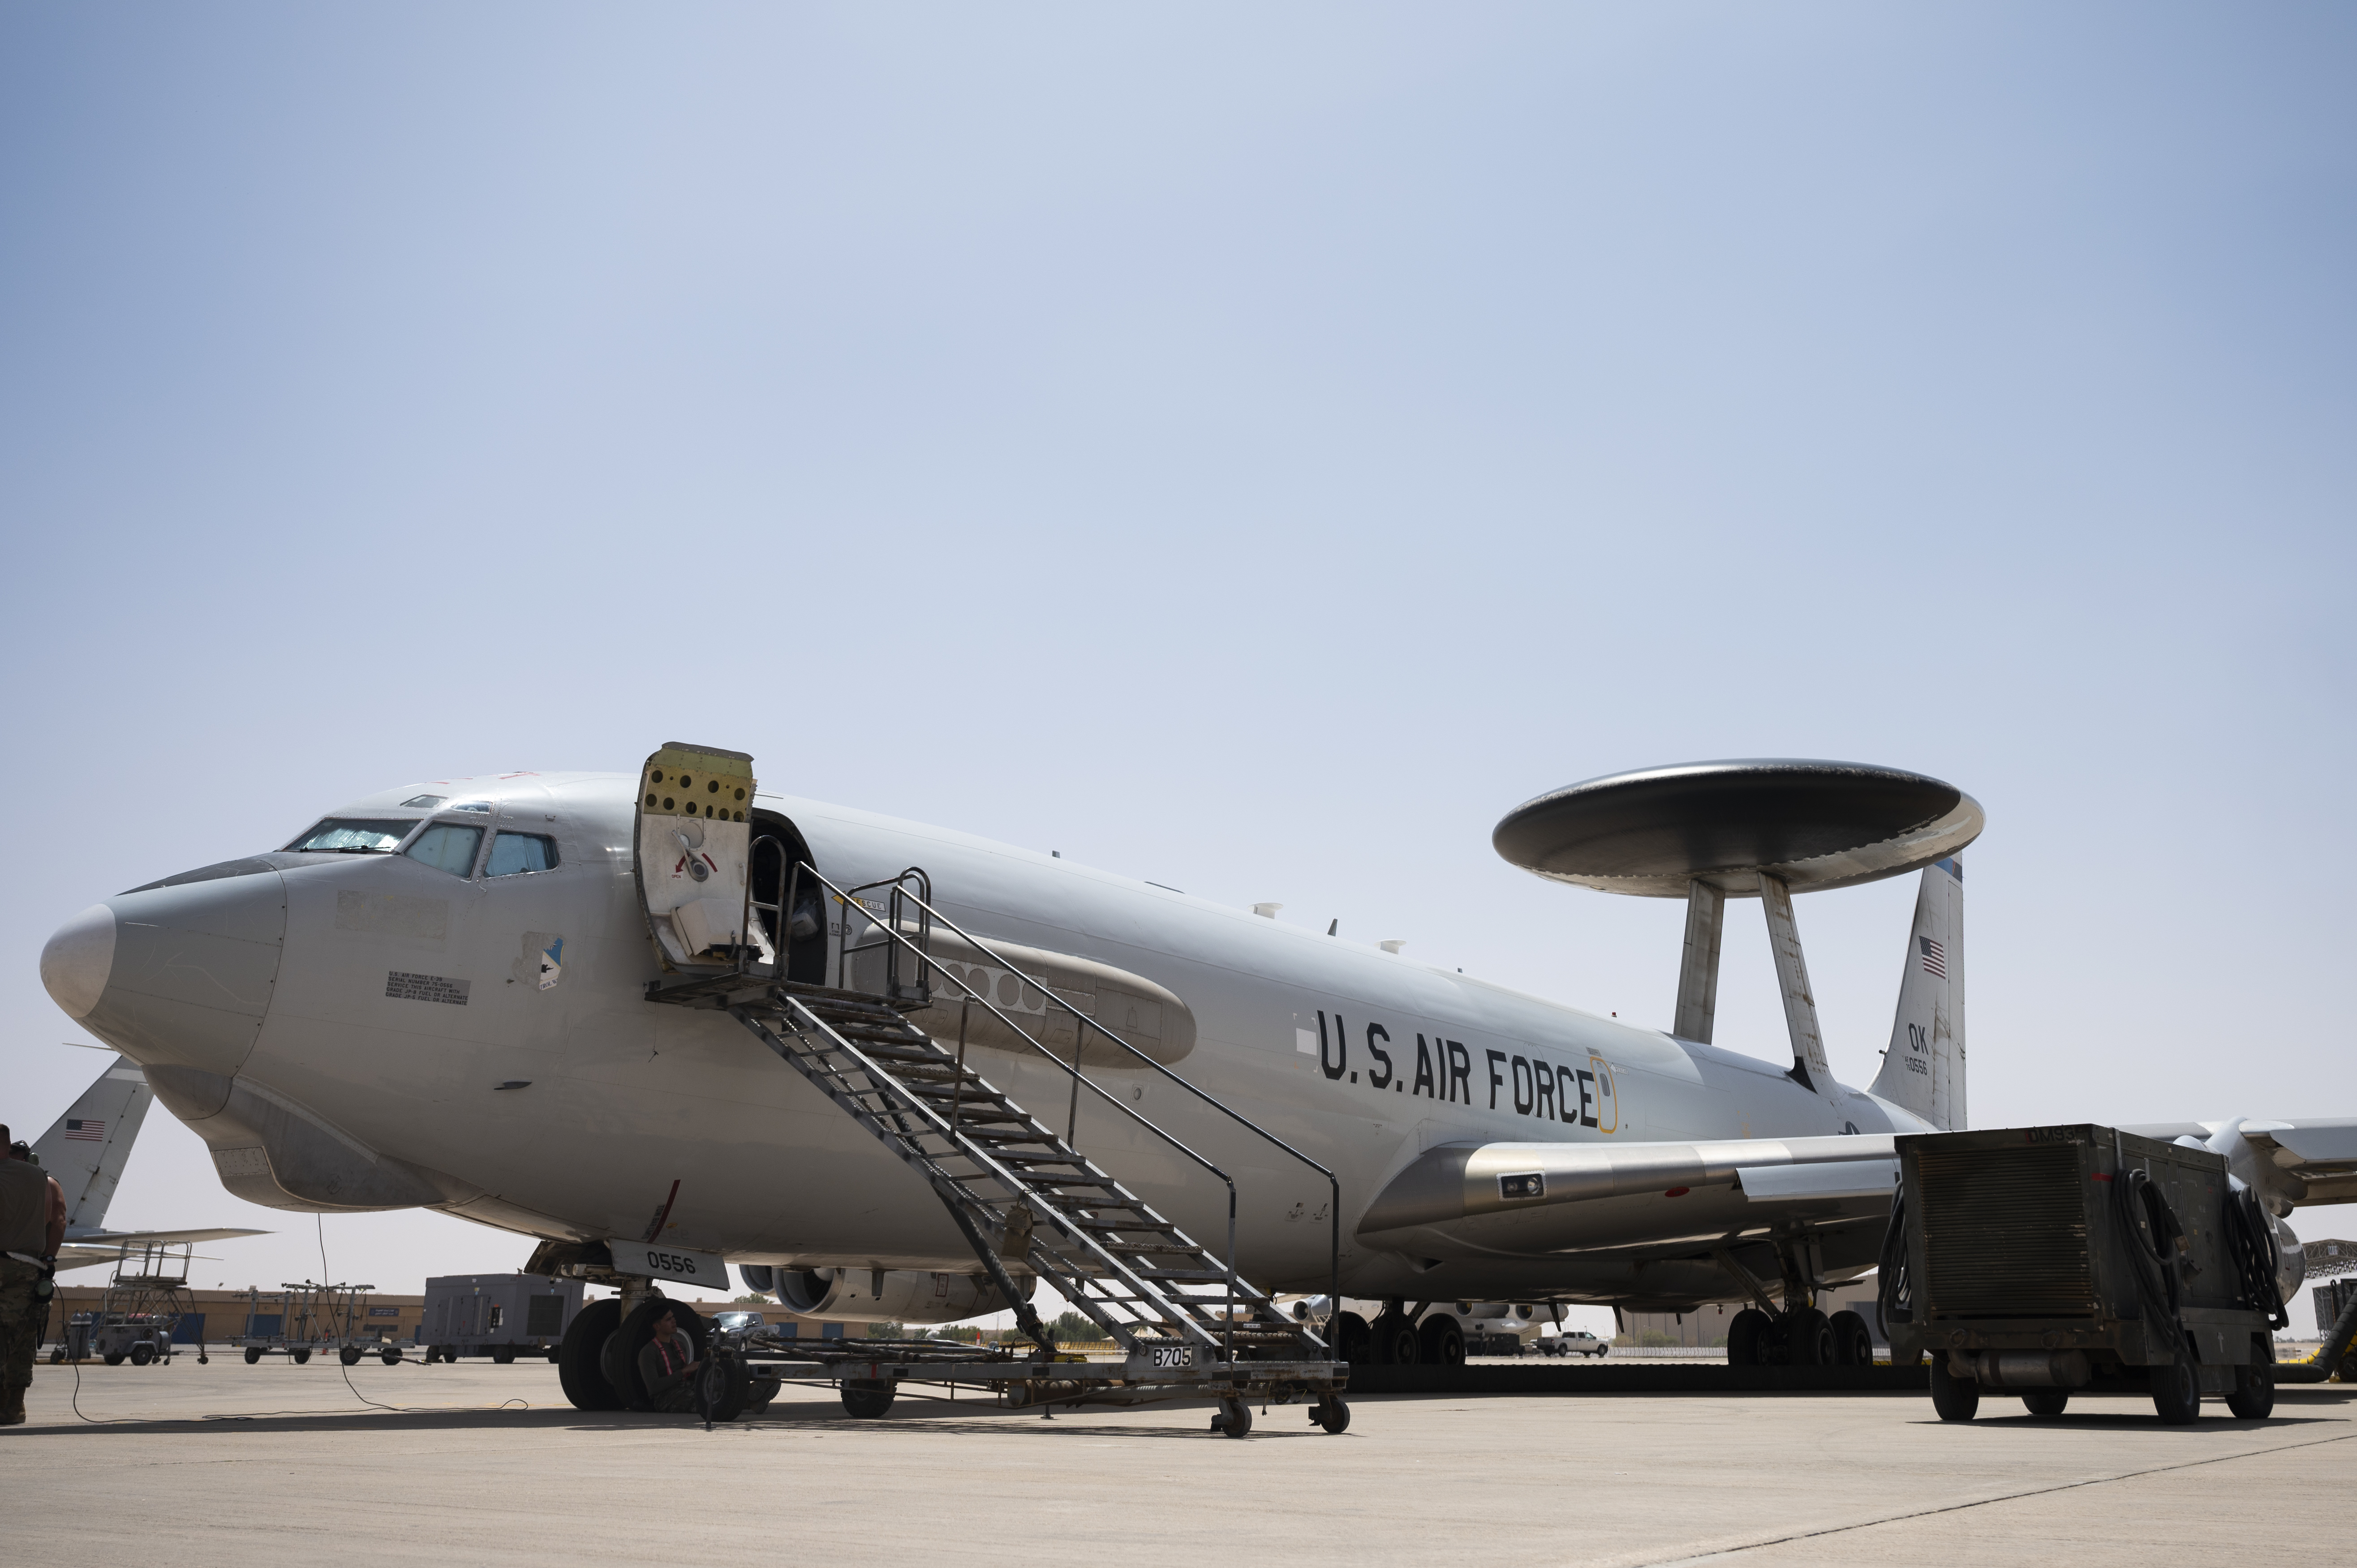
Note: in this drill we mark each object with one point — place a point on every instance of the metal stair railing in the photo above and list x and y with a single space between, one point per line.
954 1191
898 896
1083 1023
889 1121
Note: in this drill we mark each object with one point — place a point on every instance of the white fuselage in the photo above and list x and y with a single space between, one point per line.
1361 1059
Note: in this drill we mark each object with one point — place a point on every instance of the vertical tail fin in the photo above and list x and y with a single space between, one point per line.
1924 1070
86 1148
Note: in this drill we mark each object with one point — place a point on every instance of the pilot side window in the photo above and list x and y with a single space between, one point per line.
347 836
446 846
514 852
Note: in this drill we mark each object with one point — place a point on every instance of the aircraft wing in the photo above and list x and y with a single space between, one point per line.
1664 1200
81 1251
72 1257
2318 1153
1636 1199
113 1239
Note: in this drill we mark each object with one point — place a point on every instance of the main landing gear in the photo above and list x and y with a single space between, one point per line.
1802 1337
1795 1334
1399 1337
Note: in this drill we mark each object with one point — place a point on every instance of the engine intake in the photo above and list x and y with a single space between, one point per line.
890 1296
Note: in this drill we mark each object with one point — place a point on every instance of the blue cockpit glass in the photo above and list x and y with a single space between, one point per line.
348 835
446 846
515 853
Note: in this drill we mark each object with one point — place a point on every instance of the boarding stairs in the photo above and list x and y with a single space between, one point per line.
1024 1197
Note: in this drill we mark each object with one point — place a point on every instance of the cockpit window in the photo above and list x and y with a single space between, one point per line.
447 846
514 852
349 835
426 802
482 806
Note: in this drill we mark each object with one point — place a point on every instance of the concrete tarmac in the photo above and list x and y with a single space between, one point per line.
274 1464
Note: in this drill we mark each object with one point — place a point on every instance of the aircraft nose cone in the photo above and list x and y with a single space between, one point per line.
174 977
78 959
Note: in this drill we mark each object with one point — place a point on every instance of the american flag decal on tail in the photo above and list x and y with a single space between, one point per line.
1935 959
88 1131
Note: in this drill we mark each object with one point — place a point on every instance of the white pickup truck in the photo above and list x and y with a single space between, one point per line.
1572 1342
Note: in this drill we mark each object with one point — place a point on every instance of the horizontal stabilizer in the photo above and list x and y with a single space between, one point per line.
92 1248
112 1238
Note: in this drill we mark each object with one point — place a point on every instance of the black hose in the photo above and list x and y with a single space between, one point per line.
2153 1232
1894 1296
2251 1242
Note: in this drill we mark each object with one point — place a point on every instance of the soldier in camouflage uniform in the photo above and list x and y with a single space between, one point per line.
32 1228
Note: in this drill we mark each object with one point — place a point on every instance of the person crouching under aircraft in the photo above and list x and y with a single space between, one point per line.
664 1366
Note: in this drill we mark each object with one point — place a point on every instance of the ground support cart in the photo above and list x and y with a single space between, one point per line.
311 1318
499 1315
144 1302
268 1316
142 1338
340 1315
2047 1260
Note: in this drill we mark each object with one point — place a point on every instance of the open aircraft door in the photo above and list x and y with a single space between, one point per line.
694 840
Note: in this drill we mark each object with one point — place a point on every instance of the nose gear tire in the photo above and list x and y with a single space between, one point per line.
619 1358
577 1370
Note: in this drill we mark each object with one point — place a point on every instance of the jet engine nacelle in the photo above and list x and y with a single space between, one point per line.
2291 1258
890 1296
1503 1311
2278 1192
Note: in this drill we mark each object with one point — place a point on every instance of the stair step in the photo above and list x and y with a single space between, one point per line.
869 1037
1195 1276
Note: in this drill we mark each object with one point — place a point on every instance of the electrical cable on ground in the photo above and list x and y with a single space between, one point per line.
320 1221
75 1399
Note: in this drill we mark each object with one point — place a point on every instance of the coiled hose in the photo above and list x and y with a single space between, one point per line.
2250 1243
1894 1295
2154 1232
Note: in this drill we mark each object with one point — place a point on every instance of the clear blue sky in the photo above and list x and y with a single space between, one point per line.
1249 448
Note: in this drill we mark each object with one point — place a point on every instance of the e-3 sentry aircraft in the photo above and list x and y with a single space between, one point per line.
565 1004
